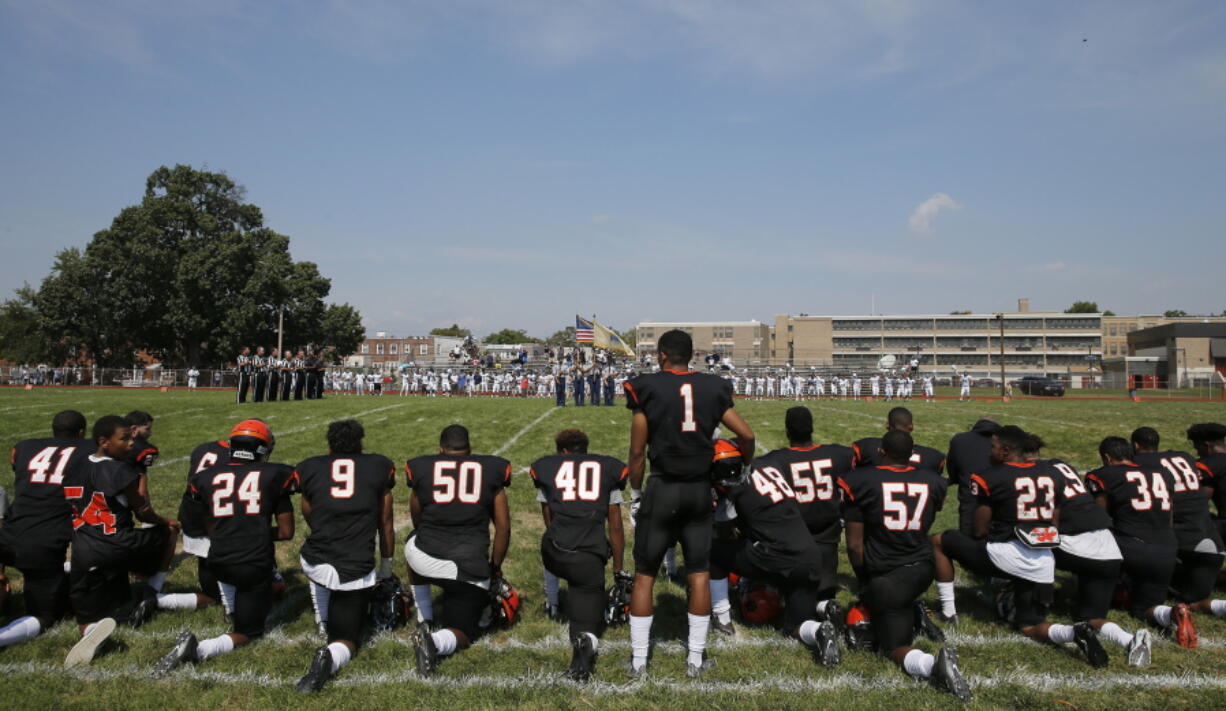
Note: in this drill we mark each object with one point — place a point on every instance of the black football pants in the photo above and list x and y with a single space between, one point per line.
673 511
1195 575
1096 581
251 599
244 382
584 576
274 386
1149 568
891 604
261 387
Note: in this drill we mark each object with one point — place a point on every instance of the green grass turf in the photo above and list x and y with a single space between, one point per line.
521 668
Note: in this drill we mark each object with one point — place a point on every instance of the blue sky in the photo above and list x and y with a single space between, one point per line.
506 164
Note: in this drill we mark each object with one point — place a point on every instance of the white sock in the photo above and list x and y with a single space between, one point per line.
551 588
918 663
595 642
1218 608
670 561
445 641
698 638
1162 615
945 592
320 597
177 601
1116 634
808 631
340 655
720 607
19 630
1060 634
213 647
425 604
156 581
821 608
640 639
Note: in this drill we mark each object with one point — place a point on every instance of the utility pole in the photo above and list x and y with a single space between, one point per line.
1001 317
280 327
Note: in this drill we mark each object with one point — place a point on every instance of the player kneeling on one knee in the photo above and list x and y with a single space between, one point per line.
456 495
775 547
106 498
1014 533
240 497
347 502
580 492
888 510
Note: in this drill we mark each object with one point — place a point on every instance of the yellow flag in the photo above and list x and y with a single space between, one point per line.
605 338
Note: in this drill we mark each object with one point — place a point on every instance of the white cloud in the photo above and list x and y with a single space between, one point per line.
920 221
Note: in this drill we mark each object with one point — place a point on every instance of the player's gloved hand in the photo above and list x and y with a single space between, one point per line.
623 577
385 568
636 500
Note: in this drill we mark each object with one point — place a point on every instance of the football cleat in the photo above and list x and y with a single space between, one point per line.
835 615
1185 628
828 645
144 610
693 671
948 619
582 659
635 673
426 652
84 651
947 676
725 628
1086 639
183 651
1140 649
924 624
319 673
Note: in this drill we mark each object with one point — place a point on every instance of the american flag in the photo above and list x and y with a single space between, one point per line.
584 332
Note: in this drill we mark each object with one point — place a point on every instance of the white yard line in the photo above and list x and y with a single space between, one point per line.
554 680
523 431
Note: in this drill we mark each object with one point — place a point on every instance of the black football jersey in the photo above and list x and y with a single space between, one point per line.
683 408
144 454
1020 494
191 512
768 515
101 518
456 494
1212 472
812 472
1138 499
344 491
897 505
40 513
1079 513
921 457
239 500
1192 520
577 488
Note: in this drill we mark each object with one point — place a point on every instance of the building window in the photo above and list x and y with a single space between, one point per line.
1113 330
424 349
392 348
378 349
365 348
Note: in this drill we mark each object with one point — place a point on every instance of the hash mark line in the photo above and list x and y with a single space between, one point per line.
555 680
523 431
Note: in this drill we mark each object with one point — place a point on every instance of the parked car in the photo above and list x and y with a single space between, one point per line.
985 383
1039 385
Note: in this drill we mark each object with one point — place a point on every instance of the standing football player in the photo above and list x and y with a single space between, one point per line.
1013 537
38 528
1138 499
775 547
347 502
812 470
889 509
675 412
899 418
580 494
240 497
105 495
456 496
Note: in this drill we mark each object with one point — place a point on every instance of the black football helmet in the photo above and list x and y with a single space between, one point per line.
617 605
390 605
727 465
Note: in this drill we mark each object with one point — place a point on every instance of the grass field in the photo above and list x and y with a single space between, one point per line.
521 668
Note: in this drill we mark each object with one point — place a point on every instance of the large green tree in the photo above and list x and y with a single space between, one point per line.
1082 307
564 337
190 275
510 337
454 331
22 338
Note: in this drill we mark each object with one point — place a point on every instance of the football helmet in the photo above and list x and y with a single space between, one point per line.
390 604
617 601
727 465
250 440
761 605
857 628
504 603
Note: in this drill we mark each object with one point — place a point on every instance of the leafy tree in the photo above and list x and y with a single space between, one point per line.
630 336
1082 307
510 337
454 330
190 275
22 339
565 337
1108 312
1175 313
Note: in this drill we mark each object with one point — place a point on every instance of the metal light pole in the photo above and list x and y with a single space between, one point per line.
280 327
1001 318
